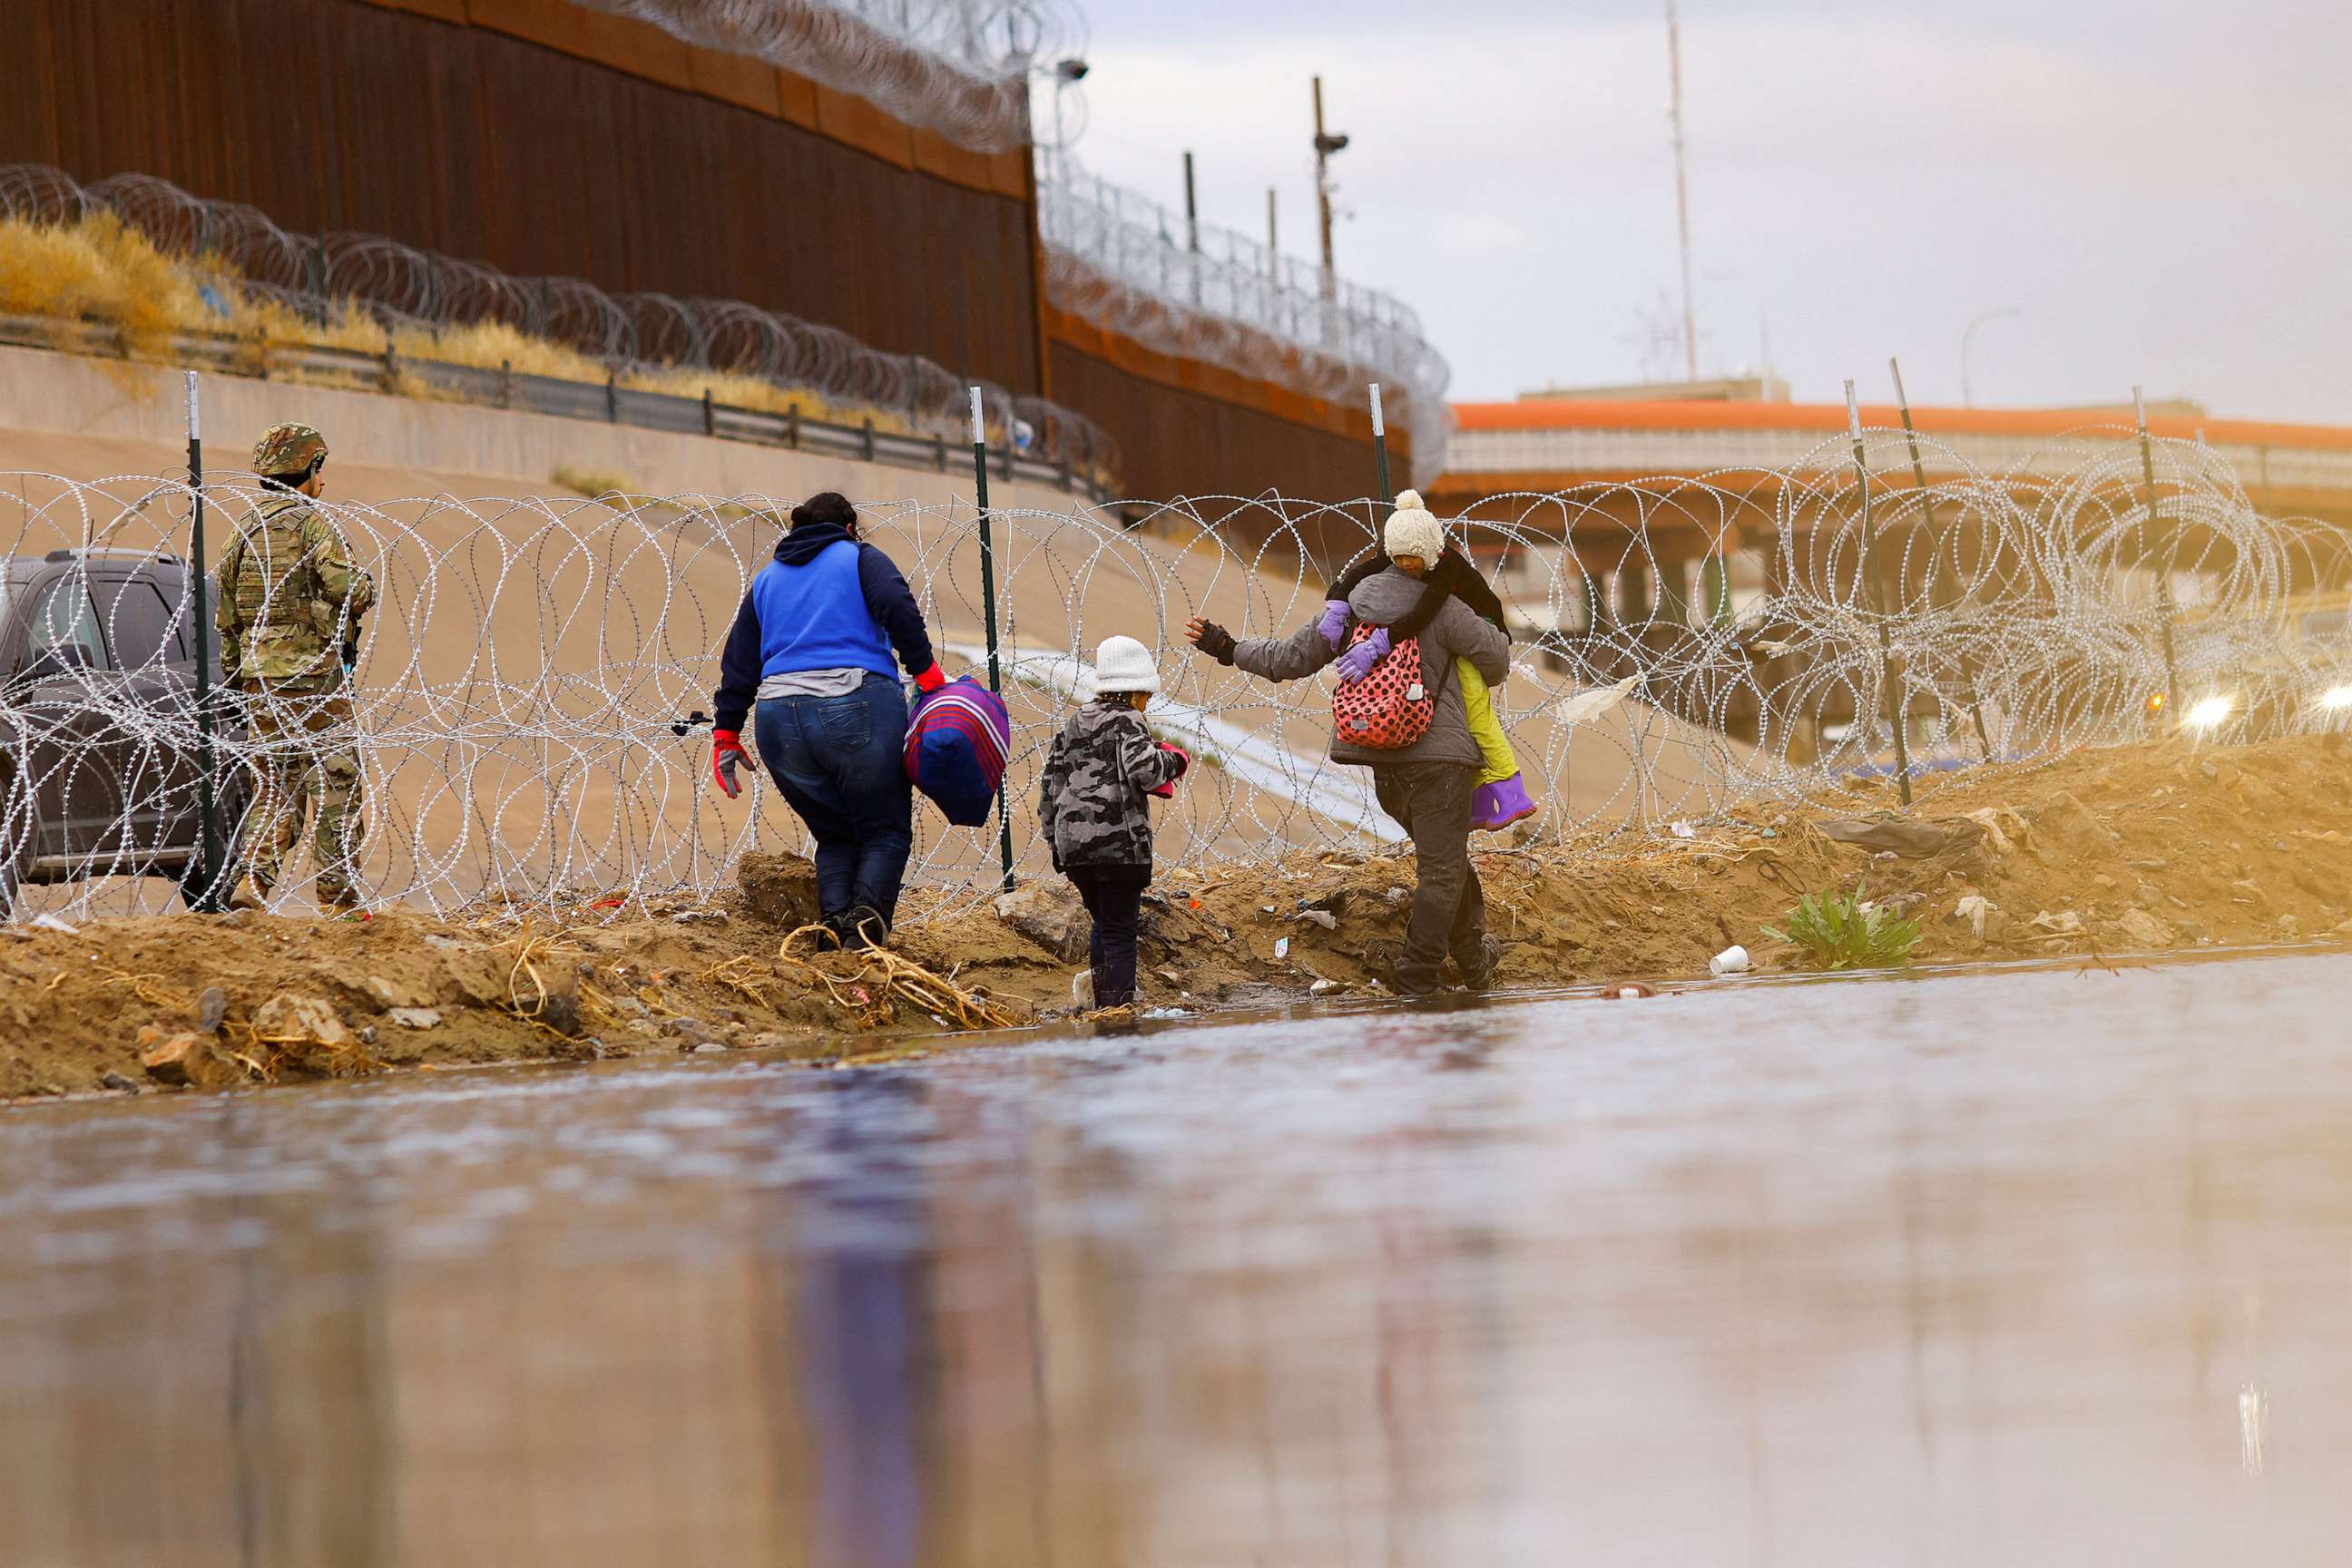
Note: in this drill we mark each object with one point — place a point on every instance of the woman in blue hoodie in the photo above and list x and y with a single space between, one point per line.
813 644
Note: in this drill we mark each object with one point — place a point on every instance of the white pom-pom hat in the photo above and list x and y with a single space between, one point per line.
1413 531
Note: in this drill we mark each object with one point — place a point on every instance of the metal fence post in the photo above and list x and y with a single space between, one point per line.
1896 696
793 425
506 384
1928 500
710 414
612 395
2164 579
1381 458
988 609
208 866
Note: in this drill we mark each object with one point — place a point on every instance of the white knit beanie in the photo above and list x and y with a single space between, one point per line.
1123 664
1413 531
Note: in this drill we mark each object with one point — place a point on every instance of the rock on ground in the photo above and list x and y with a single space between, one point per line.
1051 916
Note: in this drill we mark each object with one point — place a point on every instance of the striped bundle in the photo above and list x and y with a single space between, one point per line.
958 742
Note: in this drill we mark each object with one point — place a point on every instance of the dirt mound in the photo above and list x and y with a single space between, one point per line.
2110 851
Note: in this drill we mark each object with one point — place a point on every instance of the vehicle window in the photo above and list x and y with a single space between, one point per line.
181 619
136 620
67 618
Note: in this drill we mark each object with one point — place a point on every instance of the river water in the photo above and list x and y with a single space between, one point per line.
2017 1267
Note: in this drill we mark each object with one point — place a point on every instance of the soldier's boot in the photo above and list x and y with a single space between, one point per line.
248 894
338 899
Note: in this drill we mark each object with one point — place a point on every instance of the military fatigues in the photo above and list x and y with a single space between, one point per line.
291 599
1097 823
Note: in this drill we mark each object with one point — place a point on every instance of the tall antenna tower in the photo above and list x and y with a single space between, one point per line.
1682 186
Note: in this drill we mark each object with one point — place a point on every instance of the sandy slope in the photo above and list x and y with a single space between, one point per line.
2097 853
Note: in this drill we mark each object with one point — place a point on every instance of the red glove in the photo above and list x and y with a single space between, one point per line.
931 679
1184 766
725 750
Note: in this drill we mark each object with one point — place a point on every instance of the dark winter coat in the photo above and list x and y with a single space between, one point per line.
1091 803
1452 578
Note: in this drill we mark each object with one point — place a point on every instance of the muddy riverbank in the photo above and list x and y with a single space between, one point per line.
2125 850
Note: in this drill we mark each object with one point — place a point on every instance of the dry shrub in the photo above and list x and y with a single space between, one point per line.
98 269
597 484
487 345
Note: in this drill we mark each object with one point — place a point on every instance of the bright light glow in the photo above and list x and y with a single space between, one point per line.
2337 699
2209 712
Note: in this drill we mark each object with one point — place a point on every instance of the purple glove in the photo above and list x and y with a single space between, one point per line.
1358 661
1334 624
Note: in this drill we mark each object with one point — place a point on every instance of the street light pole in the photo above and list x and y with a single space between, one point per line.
1967 388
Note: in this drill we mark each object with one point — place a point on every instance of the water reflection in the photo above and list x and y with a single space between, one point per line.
2022 1267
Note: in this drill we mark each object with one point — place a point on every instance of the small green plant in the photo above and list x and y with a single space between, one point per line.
1837 932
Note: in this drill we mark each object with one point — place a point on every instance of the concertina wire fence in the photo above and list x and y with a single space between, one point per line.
957 66
406 289
524 697
1111 257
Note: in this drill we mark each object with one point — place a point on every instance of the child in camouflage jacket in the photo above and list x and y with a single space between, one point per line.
1091 806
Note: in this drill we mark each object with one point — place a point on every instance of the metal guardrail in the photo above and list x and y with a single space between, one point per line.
521 392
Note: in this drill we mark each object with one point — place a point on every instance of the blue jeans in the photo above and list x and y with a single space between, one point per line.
840 762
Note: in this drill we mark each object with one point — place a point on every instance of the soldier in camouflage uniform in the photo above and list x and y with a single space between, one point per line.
1091 807
290 607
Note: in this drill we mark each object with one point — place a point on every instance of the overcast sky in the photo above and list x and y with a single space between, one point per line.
2163 189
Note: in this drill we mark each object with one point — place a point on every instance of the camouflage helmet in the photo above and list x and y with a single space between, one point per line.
286 449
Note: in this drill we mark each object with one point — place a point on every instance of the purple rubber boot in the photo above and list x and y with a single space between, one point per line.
1496 807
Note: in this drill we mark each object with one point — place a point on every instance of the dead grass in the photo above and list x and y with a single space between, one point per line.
100 269
597 484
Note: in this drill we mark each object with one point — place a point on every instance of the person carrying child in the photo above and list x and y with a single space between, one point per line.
1092 811
1500 795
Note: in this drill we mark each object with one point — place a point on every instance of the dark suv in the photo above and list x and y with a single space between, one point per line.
99 741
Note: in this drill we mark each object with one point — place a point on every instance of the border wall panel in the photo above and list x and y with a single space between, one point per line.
1175 442
344 114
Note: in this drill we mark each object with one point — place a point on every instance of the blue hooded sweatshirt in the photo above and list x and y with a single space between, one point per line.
826 602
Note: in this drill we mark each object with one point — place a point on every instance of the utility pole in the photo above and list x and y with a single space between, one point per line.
1273 240
1682 186
1325 144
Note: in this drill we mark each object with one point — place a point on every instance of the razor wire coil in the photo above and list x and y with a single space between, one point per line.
524 697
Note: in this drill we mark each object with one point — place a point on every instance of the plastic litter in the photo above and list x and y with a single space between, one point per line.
1282 948
51 922
1973 910
1732 960
1683 830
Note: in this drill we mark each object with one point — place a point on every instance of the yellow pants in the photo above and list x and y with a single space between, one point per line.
1496 761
